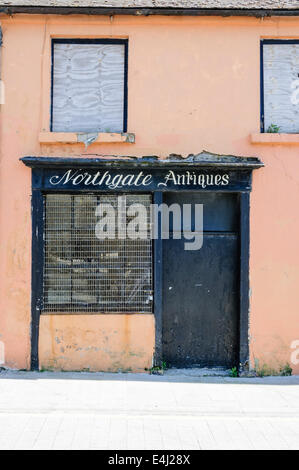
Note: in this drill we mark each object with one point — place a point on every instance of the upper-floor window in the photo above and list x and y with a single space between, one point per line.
89 85
280 86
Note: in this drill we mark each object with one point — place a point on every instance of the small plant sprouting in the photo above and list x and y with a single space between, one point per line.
158 370
266 371
273 129
286 370
233 372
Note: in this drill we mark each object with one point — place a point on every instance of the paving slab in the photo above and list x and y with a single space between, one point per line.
179 410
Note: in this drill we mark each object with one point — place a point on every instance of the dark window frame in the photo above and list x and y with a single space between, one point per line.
262 90
124 42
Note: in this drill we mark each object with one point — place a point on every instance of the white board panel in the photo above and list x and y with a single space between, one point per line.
281 86
88 87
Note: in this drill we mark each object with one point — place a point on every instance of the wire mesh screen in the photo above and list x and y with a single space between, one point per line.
83 273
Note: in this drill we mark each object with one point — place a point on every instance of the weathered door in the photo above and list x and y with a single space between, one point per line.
201 288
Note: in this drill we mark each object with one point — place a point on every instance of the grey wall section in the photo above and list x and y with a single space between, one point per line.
88 87
281 86
191 4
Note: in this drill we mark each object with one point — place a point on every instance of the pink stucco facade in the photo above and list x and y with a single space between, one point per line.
193 85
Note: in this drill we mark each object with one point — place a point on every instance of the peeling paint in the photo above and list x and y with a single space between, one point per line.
130 138
87 138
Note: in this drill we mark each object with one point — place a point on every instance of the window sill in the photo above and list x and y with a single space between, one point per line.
273 138
85 138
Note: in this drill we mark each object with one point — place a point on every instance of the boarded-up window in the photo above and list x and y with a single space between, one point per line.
281 86
83 273
89 86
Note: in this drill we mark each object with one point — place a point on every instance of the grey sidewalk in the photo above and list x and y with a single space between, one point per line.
130 411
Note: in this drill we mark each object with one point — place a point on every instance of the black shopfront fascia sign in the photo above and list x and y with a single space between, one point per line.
135 180
143 175
203 172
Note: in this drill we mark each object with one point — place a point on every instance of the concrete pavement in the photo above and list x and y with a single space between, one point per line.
179 410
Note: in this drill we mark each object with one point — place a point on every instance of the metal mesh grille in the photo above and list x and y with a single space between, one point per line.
85 274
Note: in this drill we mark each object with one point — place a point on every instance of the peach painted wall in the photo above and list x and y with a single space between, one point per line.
193 84
93 342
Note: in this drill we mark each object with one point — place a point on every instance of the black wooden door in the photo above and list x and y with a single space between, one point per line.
201 288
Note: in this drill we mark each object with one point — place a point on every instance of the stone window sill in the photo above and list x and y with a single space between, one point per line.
274 139
85 138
